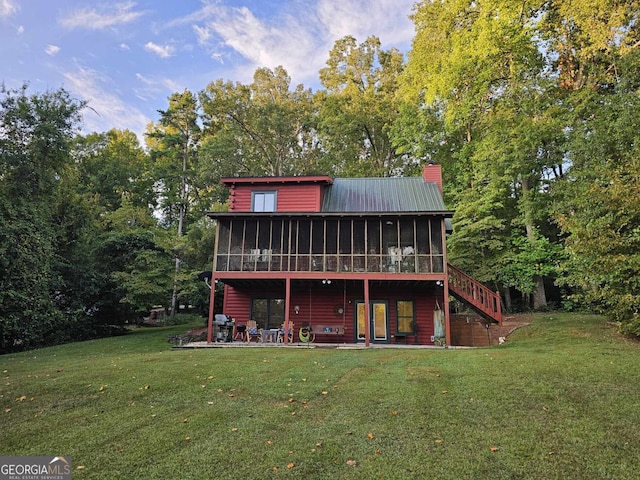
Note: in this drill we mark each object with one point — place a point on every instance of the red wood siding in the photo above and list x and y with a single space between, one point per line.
290 198
318 306
237 304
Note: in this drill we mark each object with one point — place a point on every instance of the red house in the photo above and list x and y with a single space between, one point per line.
350 259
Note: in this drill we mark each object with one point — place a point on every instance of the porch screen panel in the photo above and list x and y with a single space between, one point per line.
423 242
374 253
304 242
391 245
237 245
251 250
436 245
317 245
264 244
286 245
276 245
331 245
407 245
345 245
359 245
224 234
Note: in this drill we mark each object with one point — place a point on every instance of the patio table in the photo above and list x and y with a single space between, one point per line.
270 335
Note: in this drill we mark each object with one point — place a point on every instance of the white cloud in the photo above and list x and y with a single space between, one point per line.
124 46
153 87
298 41
292 43
162 52
202 33
8 8
94 20
20 30
363 18
105 109
52 50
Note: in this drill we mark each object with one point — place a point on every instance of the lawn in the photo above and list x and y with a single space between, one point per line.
561 399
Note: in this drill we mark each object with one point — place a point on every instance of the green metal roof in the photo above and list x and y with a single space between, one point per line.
404 194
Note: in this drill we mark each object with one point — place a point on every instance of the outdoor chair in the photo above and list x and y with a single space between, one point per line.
281 333
253 332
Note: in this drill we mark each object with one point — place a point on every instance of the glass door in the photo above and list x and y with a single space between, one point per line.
379 327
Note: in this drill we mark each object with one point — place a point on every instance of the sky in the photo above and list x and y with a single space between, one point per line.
125 58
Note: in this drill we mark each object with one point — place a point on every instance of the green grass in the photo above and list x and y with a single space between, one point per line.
560 400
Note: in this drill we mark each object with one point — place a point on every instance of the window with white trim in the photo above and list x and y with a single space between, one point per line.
263 202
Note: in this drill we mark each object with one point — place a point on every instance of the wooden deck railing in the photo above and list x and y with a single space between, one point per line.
475 293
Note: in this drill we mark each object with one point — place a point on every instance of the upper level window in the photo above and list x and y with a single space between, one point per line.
263 202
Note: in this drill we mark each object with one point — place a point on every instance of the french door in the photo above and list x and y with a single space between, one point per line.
379 321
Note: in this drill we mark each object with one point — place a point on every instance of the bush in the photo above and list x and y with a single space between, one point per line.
631 327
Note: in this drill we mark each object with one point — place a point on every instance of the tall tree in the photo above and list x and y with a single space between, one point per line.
116 259
359 107
264 128
177 134
479 68
35 137
597 202
113 165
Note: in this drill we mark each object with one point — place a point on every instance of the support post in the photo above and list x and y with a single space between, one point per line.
367 313
212 295
445 280
287 305
447 320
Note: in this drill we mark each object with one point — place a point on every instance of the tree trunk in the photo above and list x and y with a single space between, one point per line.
182 214
507 300
539 294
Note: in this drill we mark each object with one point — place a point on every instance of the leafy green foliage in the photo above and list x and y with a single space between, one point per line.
259 129
359 107
525 260
35 137
602 219
531 108
596 204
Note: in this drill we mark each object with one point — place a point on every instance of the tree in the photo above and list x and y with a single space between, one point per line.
116 255
597 203
35 137
177 134
113 166
135 257
359 107
479 69
264 128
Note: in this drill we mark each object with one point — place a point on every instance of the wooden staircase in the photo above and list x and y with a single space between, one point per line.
475 294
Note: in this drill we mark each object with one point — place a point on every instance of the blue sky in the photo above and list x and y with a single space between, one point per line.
126 57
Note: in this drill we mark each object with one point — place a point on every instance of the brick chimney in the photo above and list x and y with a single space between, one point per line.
432 173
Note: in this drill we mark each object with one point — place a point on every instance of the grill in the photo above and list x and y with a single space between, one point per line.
223 327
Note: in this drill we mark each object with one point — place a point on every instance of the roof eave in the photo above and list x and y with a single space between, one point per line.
435 213
320 179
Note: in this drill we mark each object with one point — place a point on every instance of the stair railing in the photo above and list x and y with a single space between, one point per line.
475 293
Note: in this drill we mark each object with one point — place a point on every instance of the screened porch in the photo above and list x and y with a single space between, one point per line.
405 244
